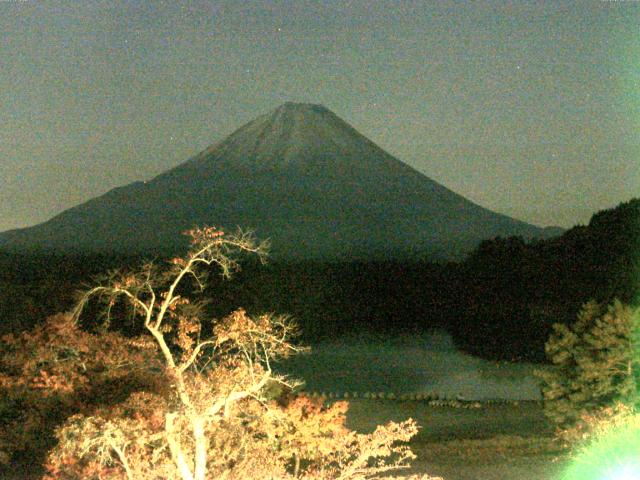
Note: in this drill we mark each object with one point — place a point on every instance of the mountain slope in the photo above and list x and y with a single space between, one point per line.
300 176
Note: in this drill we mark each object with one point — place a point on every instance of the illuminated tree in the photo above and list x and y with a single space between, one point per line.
215 418
596 364
56 370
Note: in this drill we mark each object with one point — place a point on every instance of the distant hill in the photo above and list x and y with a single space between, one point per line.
300 176
511 292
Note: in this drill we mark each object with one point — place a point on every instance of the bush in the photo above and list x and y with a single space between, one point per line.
595 365
208 411
57 370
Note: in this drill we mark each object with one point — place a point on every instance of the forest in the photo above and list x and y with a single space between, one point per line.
499 303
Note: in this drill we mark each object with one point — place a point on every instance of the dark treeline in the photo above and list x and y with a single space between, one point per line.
329 299
513 292
499 303
35 286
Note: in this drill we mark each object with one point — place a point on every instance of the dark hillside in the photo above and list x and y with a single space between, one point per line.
513 291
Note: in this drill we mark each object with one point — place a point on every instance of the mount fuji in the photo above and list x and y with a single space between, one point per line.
300 176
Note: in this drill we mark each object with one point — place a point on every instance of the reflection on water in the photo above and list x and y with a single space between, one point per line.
410 365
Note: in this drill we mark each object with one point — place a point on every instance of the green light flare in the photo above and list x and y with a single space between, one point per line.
613 456
628 471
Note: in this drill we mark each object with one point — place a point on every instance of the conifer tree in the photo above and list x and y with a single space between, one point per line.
596 364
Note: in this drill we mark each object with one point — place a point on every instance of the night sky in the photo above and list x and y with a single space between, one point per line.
528 108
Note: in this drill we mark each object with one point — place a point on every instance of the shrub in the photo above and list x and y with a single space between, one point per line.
595 364
216 417
57 370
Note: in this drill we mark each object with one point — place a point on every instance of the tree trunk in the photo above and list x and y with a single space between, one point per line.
201 448
176 450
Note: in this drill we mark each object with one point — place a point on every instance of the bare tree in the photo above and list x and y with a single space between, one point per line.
217 419
252 344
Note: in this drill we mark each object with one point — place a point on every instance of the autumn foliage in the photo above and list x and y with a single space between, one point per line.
57 370
188 398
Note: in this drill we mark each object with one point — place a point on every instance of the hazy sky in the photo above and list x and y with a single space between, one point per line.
528 108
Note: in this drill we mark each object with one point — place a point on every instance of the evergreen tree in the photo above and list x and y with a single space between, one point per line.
596 364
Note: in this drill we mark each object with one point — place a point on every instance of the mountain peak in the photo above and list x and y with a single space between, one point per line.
293 134
302 113
302 107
